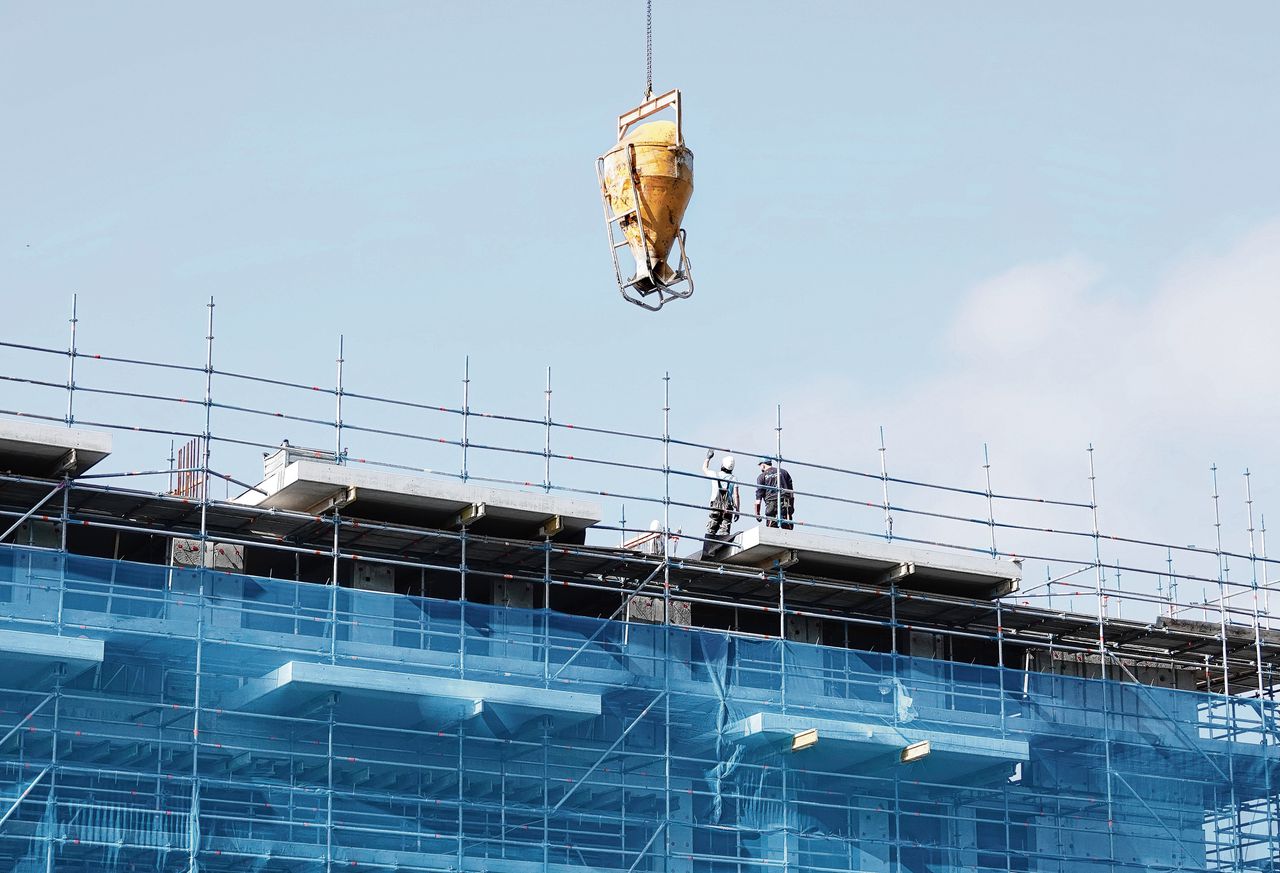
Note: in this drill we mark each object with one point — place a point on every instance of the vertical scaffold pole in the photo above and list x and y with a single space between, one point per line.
546 799
337 506
777 448
893 608
1267 729
666 475
1101 579
1253 582
546 545
208 418
1222 581
1266 568
339 455
462 534
466 411
991 509
328 805
193 815
884 489
1000 664
666 616
782 585
71 365
787 807
1119 597
546 445
1228 705
51 801
66 478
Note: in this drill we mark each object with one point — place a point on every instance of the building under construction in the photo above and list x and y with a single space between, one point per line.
357 659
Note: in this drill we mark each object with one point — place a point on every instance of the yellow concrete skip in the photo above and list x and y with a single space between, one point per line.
665 172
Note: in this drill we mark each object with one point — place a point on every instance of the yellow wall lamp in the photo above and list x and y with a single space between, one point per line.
915 751
804 740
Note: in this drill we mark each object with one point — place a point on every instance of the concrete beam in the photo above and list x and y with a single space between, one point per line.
376 494
34 449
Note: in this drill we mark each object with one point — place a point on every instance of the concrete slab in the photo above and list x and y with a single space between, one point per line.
316 487
32 659
407 699
870 746
34 449
875 561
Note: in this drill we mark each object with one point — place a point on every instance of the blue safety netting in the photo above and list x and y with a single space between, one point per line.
235 723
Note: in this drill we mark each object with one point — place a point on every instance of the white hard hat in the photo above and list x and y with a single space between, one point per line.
726 463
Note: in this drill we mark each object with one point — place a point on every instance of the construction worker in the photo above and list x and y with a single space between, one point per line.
725 502
775 489
654 545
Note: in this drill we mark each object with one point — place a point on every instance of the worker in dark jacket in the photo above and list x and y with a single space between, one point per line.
775 490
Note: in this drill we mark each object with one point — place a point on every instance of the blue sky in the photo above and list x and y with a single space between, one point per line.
1018 224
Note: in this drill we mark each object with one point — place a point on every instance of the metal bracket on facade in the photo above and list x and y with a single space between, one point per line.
325 703
1005 589
335 501
779 561
899 572
470 515
66 463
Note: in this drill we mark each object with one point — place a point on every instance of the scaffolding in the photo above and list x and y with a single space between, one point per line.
497 683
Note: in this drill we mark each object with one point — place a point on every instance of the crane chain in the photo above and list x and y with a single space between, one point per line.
648 49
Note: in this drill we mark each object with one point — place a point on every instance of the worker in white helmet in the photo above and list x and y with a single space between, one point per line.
725 502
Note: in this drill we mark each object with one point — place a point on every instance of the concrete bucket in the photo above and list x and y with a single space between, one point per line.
653 158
